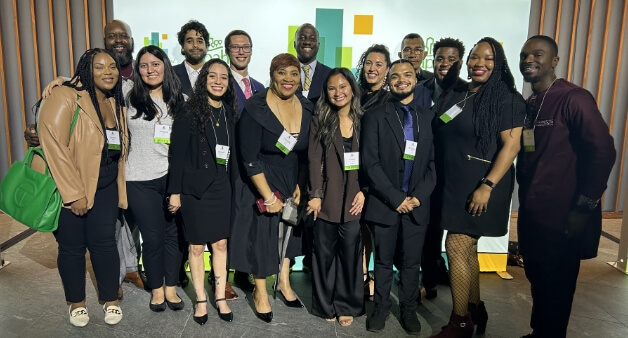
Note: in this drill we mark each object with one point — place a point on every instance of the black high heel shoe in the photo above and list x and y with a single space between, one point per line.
227 317
267 317
479 316
202 319
296 303
175 306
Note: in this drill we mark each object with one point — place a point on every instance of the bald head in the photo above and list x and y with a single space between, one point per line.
306 43
119 41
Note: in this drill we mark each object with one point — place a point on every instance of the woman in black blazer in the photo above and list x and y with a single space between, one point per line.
336 200
202 165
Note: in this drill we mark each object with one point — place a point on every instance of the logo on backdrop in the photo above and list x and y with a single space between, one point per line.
216 48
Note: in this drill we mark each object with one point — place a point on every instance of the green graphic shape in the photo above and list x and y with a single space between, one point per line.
329 25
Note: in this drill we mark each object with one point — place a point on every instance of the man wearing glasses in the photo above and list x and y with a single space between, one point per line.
413 50
239 48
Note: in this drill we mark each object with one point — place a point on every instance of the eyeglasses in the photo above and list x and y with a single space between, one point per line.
417 50
235 48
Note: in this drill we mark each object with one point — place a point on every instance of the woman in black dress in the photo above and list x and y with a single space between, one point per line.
202 165
477 138
272 137
336 199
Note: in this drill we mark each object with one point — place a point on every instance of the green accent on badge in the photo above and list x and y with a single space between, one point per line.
352 167
528 149
161 140
445 118
408 157
221 161
114 147
282 148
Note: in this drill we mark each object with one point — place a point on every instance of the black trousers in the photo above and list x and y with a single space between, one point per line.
432 262
161 255
553 284
337 269
412 237
95 231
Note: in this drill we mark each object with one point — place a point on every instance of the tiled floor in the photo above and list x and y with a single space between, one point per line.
32 303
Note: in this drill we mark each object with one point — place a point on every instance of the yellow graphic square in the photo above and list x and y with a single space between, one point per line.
164 36
363 24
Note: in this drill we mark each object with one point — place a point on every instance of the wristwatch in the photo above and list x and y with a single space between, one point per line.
484 180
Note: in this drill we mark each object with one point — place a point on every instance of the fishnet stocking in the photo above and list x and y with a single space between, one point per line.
464 271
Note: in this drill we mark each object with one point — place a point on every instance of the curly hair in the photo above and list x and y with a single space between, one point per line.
382 94
449 42
83 79
193 25
328 113
139 96
198 104
488 103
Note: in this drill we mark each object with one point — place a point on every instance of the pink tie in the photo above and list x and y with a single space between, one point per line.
247 88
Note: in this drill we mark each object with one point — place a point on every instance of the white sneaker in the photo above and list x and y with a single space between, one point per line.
78 316
113 314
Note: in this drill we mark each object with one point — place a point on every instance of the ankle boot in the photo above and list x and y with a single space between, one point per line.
479 316
458 327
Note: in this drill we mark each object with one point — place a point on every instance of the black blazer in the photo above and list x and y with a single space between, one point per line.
316 87
256 86
192 157
424 75
182 74
381 153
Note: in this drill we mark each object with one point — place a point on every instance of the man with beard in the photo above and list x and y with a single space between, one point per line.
398 160
562 170
239 48
313 73
413 50
119 41
194 40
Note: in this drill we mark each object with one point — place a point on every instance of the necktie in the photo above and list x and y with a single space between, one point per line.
247 88
408 134
308 81
440 101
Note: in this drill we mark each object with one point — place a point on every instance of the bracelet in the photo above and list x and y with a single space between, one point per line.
275 200
484 180
271 196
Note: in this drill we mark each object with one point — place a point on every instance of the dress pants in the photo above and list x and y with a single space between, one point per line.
160 248
95 231
337 288
553 283
126 247
412 237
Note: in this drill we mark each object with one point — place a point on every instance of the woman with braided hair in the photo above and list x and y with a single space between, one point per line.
476 140
83 132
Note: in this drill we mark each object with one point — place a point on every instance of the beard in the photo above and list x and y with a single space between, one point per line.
401 96
124 59
194 60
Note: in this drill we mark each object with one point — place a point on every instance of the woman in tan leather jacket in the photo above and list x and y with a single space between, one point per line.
87 163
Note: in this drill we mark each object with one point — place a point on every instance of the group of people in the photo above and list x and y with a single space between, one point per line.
326 164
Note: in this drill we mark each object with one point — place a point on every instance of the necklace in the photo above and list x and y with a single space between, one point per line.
540 106
294 105
220 113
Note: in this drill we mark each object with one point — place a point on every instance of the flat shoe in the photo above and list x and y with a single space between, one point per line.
113 314
79 316
175 306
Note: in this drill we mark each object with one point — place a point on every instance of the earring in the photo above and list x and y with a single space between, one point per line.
468 77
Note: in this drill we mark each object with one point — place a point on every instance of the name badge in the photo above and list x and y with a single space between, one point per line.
410 151
352 161
528 140
222 154
286 142
113 138
162 134
451 114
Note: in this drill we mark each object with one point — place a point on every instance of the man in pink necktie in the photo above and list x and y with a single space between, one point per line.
239 48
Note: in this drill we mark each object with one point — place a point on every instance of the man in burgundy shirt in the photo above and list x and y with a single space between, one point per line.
562 170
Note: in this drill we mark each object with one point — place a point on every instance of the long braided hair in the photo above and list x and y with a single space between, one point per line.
198 104
488 104
139 96
328 113
83 79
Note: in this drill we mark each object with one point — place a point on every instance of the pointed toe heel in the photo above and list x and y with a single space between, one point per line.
227 317
201 320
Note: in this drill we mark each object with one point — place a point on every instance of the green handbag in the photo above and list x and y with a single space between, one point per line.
30 197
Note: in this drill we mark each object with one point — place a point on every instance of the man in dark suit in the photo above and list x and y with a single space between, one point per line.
194 40
413 50
398 159
447 63
313 73
239 48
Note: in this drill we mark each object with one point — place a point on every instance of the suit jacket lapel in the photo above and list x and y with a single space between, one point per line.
315 86
85 102
338 145
395 125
